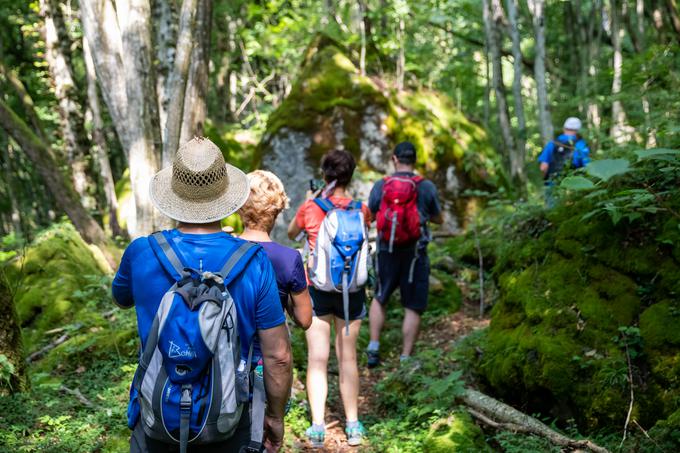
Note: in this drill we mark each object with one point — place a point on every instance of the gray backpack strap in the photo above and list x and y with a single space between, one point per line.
184 417
257 411
169 253
235 258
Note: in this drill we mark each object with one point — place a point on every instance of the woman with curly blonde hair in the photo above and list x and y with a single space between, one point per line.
266 201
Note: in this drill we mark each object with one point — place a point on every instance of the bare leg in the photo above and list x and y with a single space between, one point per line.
376 319
346 351
410 330
318 348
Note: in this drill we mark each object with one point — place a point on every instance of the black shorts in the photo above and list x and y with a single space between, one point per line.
325 303
394 271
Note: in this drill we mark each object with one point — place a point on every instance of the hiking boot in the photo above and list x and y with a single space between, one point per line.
373 358
316 436
355 434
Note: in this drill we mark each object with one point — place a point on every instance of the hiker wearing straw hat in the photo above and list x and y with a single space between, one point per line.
202 296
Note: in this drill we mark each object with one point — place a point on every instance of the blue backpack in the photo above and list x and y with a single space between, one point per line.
340 260
191 382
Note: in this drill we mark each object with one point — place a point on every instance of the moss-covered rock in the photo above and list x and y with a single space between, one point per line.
572 295
332 106
455 434
51 279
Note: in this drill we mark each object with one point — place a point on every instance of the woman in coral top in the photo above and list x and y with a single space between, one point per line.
338 168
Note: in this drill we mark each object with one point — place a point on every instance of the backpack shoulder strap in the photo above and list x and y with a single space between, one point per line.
325 204
354 204
243 253
176 267
417 179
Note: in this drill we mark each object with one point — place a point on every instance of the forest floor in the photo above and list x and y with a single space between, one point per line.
441 333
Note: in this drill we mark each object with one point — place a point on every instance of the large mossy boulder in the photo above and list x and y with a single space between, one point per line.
577 299
51 280
332 106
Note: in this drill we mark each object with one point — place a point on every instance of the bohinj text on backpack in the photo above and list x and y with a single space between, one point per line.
192 384
340 260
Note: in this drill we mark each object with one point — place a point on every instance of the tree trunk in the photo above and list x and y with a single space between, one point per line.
142 107
620 131
10 342
100 147
46 164
177 81
518 154
362 34
26 100
672 7
401 58
165 24
195 98
491 17
15 213
57 55
537 11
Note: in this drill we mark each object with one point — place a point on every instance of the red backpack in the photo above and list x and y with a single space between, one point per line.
398 219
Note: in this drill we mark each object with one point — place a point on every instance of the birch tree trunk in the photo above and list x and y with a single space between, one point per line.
518 154
57 55
401 58
195 98
362 34
544 118
177 81
491 15
620 131
99 148
46 164
165 24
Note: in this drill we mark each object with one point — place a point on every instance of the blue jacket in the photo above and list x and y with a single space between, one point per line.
580 157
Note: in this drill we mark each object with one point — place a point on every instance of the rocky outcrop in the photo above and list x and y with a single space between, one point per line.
331 106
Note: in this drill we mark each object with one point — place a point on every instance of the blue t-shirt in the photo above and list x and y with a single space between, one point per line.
141 281
289 269
580 156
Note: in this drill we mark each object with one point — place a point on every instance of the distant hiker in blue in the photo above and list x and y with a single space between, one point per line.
202 297
568 150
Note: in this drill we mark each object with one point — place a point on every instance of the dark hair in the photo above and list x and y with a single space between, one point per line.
338 166
405 153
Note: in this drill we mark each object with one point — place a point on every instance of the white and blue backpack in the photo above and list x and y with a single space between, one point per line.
340 260
192 384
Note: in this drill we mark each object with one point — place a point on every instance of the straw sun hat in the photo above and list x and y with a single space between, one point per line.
199 187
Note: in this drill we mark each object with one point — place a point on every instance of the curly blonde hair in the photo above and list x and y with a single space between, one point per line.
267 199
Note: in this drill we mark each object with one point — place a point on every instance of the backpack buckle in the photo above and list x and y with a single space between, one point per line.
185 401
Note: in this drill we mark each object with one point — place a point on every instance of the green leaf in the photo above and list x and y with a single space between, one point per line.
607 168
662 153
577 183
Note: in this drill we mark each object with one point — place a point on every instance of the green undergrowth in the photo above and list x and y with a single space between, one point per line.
77 397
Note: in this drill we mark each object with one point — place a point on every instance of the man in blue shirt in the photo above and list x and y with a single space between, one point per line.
198 191
568 150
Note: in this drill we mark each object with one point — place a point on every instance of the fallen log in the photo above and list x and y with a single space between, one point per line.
498 415
39 353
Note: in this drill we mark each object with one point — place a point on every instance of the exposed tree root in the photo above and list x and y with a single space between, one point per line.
499 415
